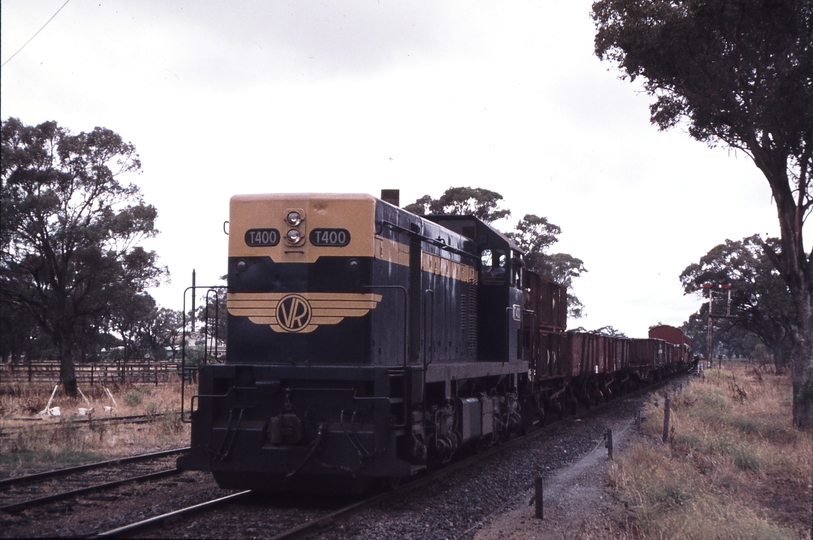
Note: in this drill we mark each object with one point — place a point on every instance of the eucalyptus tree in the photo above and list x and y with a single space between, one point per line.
481 203
533 234
760 300
70 231
737 73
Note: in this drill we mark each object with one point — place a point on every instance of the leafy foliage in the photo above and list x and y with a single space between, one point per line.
533 234
761 302
482 203
609 331
70 232
740 73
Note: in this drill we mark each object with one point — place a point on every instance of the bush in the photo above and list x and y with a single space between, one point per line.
133 398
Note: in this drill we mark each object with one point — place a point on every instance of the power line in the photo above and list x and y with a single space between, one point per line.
37 32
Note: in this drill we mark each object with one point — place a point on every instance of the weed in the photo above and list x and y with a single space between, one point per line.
733 455
151 409
133 398
70 439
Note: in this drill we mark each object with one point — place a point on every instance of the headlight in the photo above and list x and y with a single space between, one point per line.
293 236
293 218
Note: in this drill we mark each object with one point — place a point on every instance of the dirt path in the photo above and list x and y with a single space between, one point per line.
576 502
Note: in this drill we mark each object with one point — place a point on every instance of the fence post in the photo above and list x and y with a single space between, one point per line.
540 507
666 405
608 436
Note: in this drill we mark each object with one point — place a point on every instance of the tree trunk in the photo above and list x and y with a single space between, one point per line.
779 364
796 269
802 375
67 373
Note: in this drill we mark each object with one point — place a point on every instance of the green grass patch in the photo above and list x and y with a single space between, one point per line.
734 466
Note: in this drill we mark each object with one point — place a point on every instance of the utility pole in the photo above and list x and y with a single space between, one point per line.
193 303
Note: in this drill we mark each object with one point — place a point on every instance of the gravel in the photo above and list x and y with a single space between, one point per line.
487 493
487 500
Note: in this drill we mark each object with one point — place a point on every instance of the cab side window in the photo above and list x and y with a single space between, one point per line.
493 266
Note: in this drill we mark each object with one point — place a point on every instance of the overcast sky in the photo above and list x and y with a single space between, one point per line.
222 98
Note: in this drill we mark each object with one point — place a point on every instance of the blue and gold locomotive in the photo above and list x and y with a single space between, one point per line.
365 343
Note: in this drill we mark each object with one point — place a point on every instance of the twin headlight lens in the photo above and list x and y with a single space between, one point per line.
293 236
293 218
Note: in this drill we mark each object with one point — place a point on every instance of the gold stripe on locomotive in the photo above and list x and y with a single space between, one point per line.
300 312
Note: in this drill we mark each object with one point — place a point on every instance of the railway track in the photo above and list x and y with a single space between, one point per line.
282 521
32 490
291 517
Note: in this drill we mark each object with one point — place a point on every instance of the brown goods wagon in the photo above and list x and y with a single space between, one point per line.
647 352
621 354
590 354
670 334
549 361
672 353
548 301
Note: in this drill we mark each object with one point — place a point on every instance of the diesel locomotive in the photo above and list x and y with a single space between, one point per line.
367 344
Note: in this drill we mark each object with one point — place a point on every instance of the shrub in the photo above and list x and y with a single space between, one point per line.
133 398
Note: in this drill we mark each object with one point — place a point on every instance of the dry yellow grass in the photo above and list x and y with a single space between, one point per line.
734 466
55 442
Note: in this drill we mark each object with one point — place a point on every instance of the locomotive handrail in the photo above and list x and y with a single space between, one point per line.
432 241
429 321
532 336
214 396
183 340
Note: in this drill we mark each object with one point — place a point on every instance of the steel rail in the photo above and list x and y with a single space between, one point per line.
36 477
155 521
16 507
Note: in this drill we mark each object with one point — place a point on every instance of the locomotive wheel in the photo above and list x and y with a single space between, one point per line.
392 482
481 444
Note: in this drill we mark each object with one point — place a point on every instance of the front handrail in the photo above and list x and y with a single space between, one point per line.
209 289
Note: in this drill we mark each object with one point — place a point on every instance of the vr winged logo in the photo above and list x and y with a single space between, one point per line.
300 312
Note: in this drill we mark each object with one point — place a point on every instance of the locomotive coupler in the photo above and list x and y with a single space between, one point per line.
285 429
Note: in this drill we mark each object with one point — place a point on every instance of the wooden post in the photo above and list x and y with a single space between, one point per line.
540 507
608 437
666 405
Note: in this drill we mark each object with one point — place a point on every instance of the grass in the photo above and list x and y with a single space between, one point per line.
734 465
54 442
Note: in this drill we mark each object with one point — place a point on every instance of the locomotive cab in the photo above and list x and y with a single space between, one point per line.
500 297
